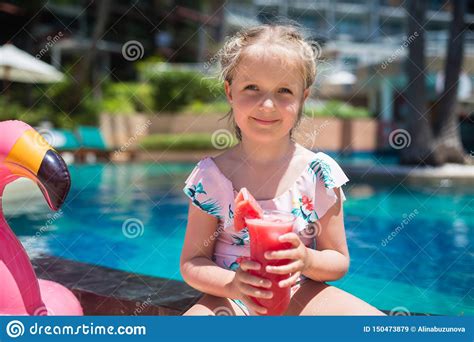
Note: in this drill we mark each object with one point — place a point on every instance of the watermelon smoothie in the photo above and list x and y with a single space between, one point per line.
264 233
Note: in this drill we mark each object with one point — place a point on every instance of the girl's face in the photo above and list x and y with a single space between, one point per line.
266 96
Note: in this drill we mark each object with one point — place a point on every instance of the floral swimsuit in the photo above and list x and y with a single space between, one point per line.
308 199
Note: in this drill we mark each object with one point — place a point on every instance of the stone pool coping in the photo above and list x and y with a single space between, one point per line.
452 173
106 291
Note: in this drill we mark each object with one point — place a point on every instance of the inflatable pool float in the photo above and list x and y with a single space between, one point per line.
25 153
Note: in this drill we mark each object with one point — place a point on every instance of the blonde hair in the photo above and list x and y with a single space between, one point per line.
287 37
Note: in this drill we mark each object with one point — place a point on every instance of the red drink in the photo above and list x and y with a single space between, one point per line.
264 233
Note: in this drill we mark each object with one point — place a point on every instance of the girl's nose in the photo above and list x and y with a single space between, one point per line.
267 105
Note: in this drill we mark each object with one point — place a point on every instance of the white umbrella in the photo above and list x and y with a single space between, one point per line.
18 66
341 77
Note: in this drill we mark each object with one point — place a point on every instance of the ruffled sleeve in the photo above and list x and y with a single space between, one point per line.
203 189
327 175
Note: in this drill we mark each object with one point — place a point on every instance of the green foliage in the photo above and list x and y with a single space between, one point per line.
176 89
14 111
128 98
145 67
178 142
64 112
118 105
336 109
199 108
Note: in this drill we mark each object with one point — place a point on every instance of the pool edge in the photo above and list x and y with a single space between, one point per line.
123 293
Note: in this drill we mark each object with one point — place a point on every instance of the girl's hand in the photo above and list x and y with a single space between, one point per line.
298 254
244 285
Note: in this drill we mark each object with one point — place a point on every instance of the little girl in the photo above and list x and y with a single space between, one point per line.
267 72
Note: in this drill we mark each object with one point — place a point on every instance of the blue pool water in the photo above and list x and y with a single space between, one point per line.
426 267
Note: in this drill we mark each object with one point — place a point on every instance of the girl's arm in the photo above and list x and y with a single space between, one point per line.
330 260
196 266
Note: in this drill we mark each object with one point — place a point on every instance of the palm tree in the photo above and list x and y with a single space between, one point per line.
420 151
446 129
441 142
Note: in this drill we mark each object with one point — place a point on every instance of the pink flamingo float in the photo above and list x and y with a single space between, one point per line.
25 153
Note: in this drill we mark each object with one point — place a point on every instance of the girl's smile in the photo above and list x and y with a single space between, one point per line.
265 122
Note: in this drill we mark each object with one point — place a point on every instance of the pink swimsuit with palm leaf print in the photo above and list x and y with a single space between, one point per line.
309 198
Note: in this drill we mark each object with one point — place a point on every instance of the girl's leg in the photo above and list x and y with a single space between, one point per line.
214 306
316 298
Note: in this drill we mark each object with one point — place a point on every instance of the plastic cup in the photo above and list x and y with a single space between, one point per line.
264 233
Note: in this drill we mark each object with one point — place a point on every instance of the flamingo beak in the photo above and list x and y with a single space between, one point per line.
31 156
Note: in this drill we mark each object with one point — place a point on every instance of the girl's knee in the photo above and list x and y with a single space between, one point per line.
198 310
317 298
204 307
210 305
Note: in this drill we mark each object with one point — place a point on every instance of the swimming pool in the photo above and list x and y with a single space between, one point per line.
411 248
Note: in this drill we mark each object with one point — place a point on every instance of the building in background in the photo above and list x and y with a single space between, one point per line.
363 42
364 46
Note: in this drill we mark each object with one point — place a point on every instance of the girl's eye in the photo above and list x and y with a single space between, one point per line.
251 87
285 90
